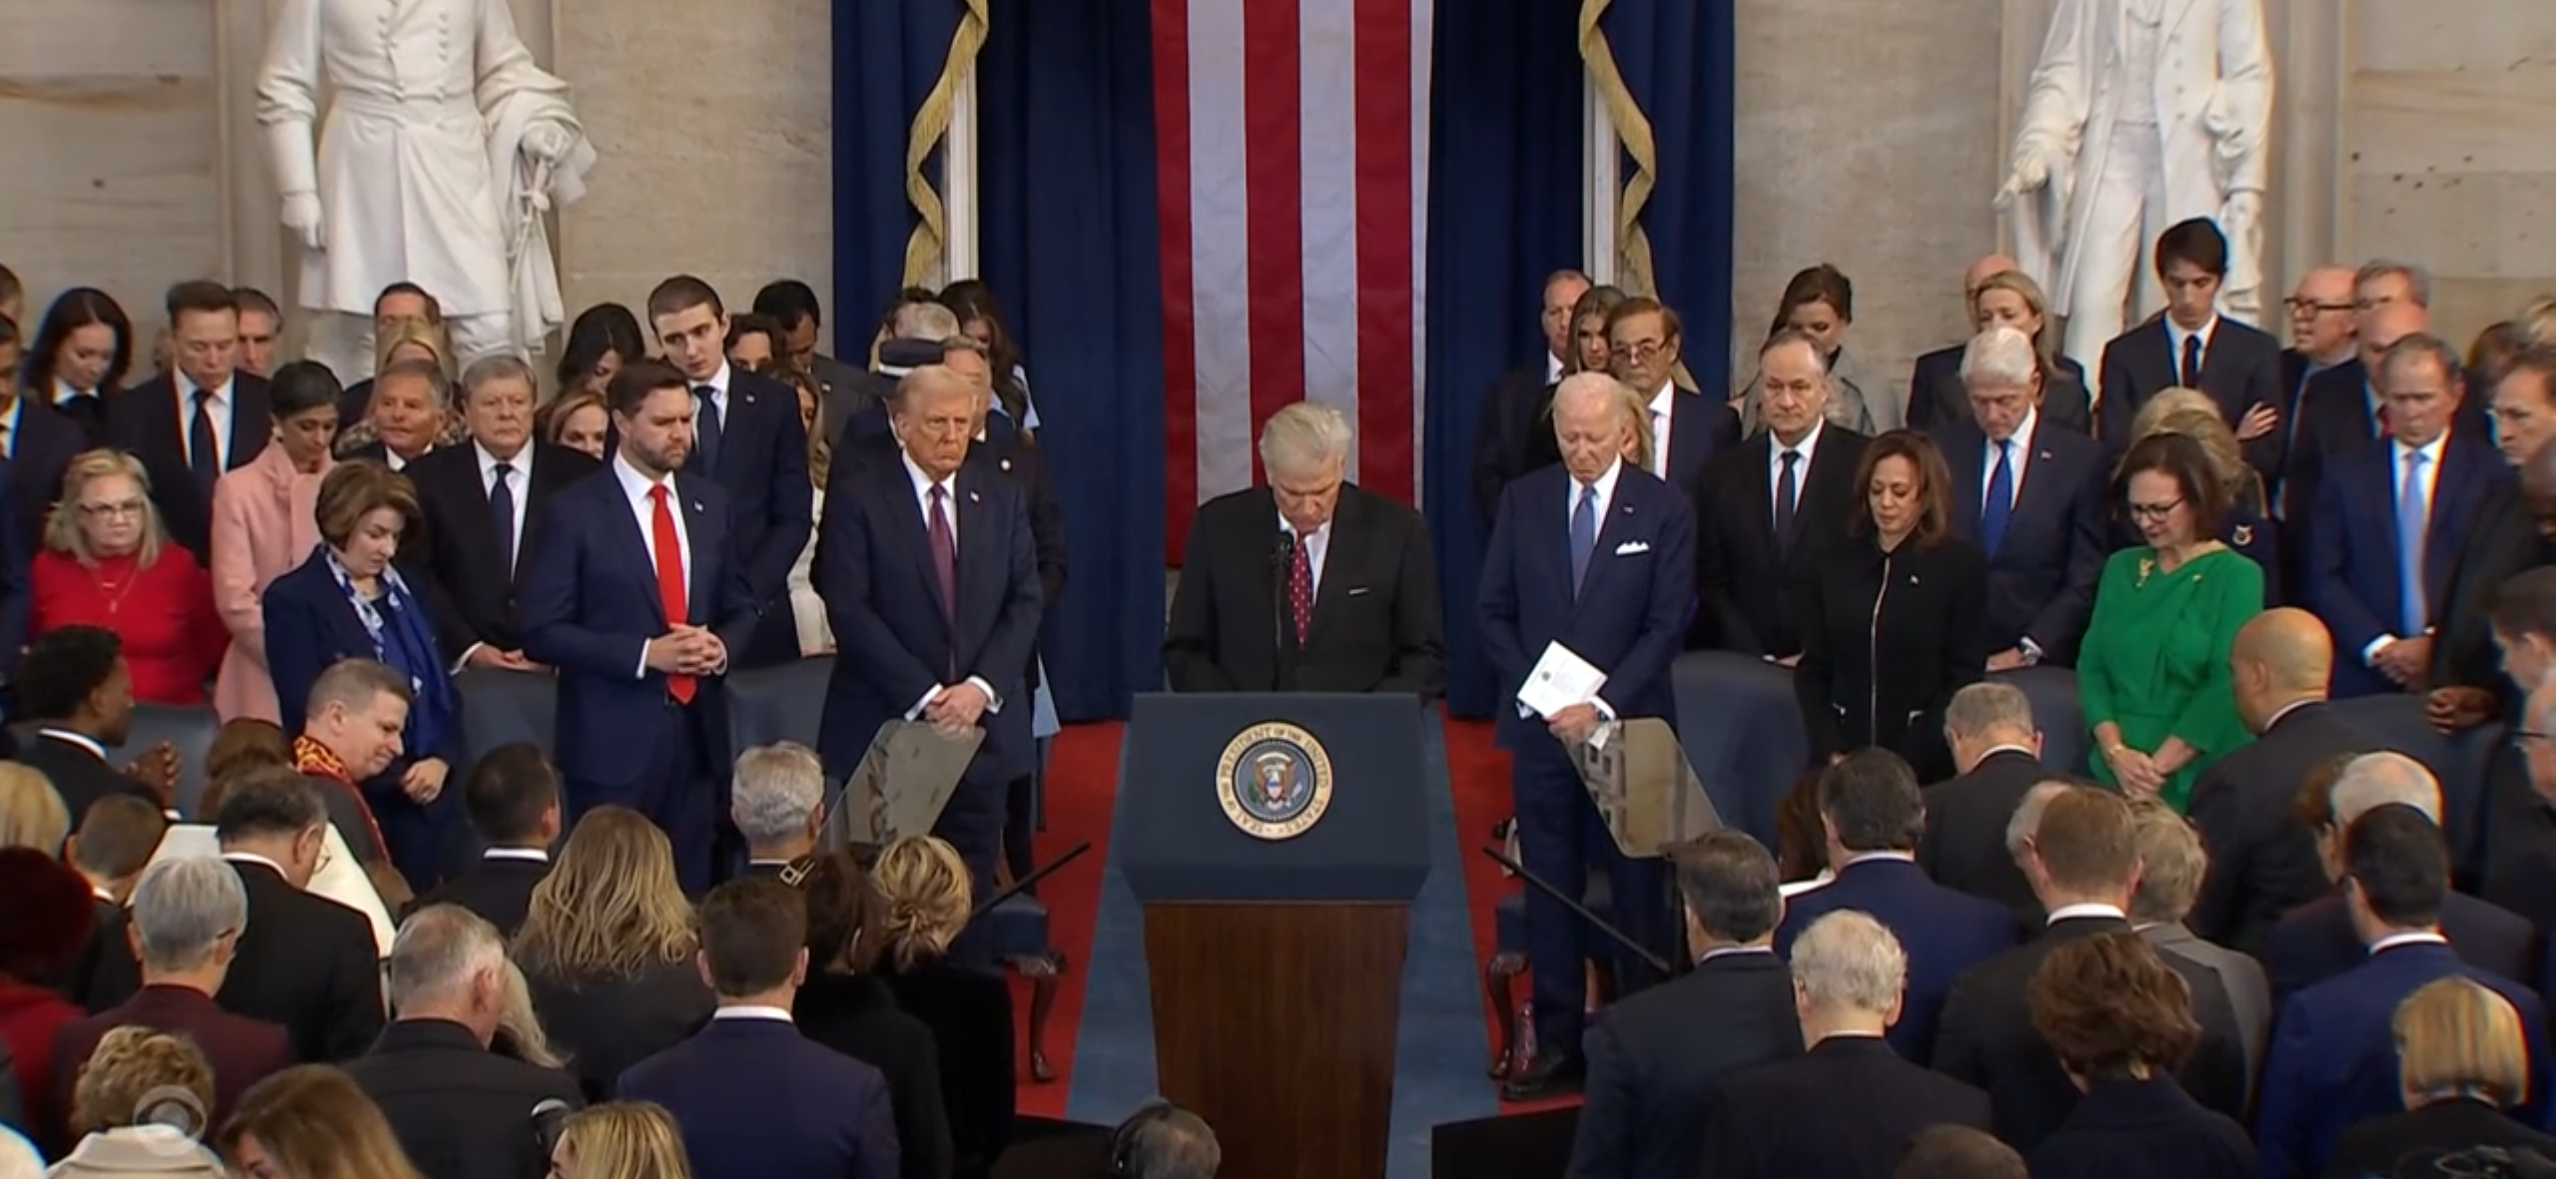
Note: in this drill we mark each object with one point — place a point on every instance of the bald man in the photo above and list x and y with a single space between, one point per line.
2262 861
1935 394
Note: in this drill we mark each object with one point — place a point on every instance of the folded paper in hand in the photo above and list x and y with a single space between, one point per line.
1560 679
908 775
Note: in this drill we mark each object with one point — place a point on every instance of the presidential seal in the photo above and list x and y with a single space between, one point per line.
1274 781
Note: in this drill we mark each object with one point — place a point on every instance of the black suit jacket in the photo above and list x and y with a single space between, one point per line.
1986 1038
498 888
857 1016
304 961
2041 579
2315 942
2152 1129
1700 428
1937 398
1658 1060
459 1110
2413 1143
1511 437
2502 543
1375 614
77 774
147 421
2262 861
1965 843
40 451
1886 641
970 1014
1743 575
459 565
763 464
604 1026
2333 417
2240 369
1786 1119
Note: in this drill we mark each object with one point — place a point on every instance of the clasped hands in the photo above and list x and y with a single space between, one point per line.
956 707
688 650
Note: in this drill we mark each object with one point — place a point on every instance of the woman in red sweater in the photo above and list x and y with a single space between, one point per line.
108 563
43 928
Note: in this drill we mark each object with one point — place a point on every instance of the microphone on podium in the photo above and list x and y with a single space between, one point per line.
1022 884
1599 923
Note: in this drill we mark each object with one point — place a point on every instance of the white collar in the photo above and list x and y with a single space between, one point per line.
1605 484
1552 367
241 857
923 481
186 388
83 740
2086 909
1318 535
522 462
103 895
2411 937
1664 402
529 854
2287 709
1868 856
1775 447
1731 951
2021 438
717 382
1994 750
751 1011
62 391
635 485
2431 451
2177 334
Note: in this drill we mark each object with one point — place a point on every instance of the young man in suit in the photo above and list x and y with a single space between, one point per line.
747 439
1990 728
2171 866
74 685
2194 347
201 418
512 800
1659 1056
639 595
1779 501
1594 556
1873 816
459 1109
1783 1119
483 506
1309 584
2391 517
1506 433
752 1096
2040 510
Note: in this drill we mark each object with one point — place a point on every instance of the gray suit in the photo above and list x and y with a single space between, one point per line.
2249 990
847 388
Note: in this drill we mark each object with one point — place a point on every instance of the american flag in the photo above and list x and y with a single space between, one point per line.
1291 142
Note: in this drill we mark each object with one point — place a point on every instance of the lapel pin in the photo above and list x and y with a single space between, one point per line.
1006 465
971 497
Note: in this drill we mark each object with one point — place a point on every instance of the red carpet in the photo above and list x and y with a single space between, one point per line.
1479 774
1082 783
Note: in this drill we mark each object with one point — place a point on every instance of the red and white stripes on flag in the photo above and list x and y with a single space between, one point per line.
1291 140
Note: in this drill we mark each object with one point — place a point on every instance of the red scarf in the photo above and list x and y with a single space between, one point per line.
314 760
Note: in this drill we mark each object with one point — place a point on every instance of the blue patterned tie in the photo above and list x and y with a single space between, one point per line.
1583 535
2000 504
2412 522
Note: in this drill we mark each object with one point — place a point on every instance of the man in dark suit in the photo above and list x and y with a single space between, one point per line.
2263 863
2340 410
2322 331
483 504
2391 518
202 418
1594 559
2334 1064
748 440
2081 853
74 685
459 1110
2195 347
1510 434
110 847
188 928
1308 584
2039 513
1787 1118
512 800
1687 428
1935 394
39 442
639 597
2171 866
1989 726
793 305
1873 816
1658 1058
305 962
2509 535
930 579
752 1096
1779 500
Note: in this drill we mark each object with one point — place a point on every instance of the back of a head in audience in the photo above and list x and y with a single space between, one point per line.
2280 658
1164 1141
512 798
2171 864
1986 716
2363 783
1957 1152
448 963
312 1120
187 918
843 913
2079 848
1869 802
611 908
2109 1007
2021 825
754 942
778 801
45 918
31 812
620 1140
923 886
141 1076
242 744
1732 896
275 814
1849 976
925 321
2395 871
115 842
74 677
2456 1038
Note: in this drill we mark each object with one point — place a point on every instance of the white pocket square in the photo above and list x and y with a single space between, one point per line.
1356 591
1631 547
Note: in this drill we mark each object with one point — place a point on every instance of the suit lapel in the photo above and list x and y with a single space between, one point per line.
1337 561
1757 491
977 551
2456 496
1623 512
707 533
625 525
1966 456
905 518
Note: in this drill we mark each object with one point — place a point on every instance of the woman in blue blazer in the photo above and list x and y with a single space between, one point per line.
347 601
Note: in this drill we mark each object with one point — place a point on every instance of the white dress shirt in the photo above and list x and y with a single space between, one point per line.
718 384
1605 486
9 428
2018 456
2411 937
752 1011
1663 421
1316 547
528 854
2430 474
1775 448
635 488
518 481
2086 909
83 740
923 484
2175 335
219 407
1552 368
64 394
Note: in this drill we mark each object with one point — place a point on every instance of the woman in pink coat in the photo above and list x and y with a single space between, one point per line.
264 524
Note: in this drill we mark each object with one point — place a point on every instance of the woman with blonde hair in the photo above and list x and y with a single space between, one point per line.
2249 528
312 1122
2011 299
266 521
577 421
607 947
925 900
2462 1064
816 636
108 562
32 814
140 1103
620 1140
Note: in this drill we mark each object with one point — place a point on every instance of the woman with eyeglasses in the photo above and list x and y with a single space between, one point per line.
108 563
2152 675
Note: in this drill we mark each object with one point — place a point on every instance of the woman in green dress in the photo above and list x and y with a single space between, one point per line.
2152 674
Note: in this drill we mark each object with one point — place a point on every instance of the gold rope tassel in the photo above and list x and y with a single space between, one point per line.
1633 130
924 248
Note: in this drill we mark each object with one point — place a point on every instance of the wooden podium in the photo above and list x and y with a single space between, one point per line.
1275 945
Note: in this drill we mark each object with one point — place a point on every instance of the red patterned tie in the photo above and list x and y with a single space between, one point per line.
1300 594
670 593
2386 428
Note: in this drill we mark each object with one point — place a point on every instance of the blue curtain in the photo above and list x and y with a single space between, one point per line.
1504 211
887 55
1066 164
1676 58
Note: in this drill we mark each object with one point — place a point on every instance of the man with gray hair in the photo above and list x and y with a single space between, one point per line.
2040 505
777 800
410 408
1780 500
1310 583
1784 1119
185 927
1164 1141
459 1109
1998 749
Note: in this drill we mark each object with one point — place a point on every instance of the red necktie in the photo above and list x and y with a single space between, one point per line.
661 526
2385 428
1300 593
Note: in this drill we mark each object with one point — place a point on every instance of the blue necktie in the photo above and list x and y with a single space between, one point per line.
2412 521
706 428
2000 505
2192 361
1786 501
1583 535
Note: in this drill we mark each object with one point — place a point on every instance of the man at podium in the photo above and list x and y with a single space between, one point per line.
1584 602
1310 584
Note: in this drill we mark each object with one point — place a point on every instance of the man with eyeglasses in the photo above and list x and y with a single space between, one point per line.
1687 428
2322 327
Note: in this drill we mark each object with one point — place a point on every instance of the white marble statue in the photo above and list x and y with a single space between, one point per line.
443 145
2141 113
